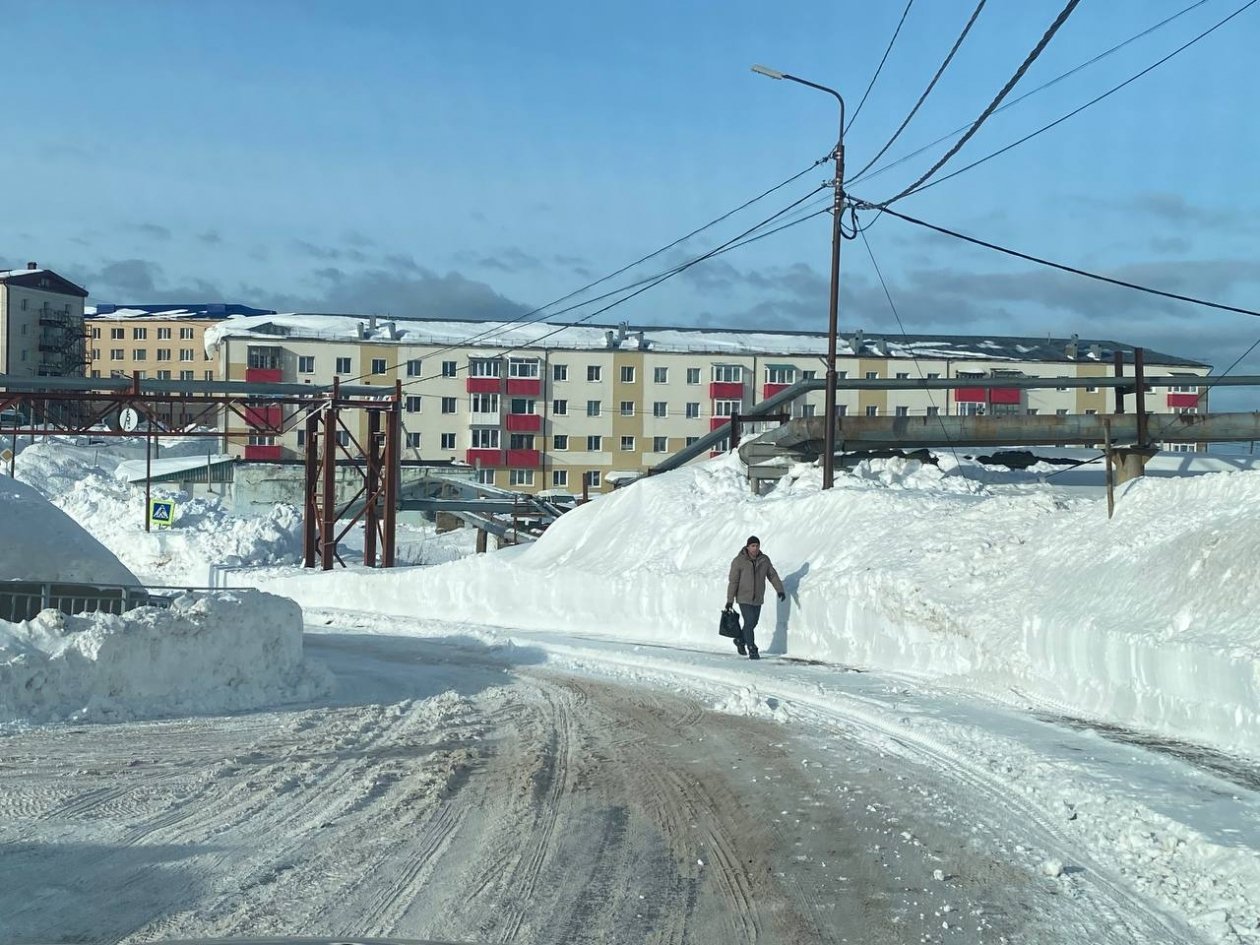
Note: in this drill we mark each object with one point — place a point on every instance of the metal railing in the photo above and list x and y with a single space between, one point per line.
23 600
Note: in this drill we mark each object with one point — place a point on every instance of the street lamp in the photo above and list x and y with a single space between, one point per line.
829 436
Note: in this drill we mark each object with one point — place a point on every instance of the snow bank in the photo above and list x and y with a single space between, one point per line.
1146 620
39 542
206 654
84 483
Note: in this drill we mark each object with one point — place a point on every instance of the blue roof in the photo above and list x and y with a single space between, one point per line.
190 310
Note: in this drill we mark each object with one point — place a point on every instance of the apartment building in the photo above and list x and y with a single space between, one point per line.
541 406
41 324
166 342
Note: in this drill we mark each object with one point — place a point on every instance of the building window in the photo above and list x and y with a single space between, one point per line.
96 373
139 374
413 441
934 411
560 408
378 365
258 439
1091 389
592 408
807 410
593 479
594 372
627 444
116 354
139 334
164 334
186 354
306 364
343 437
693 375
413 367
184 375
560 442
448 441
96 354
485 477
448 405
559 478
521 441
301 438
1061 412
660 409
185 333
903 411
166 376
96 333
627 374
872 411
660 444
522 367
140 354
594 443
412 404
728 373
449 368
781 374
1091 413
627 408
1032 411
523 405
903 376
842 410
660 375
520 477
343 366
692 411
809 375
559 372
872 375
485 403
485 367
209 375
725 408
116 334
692 440
932 377
485 439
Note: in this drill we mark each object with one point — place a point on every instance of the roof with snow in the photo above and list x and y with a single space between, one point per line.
44 279
206 310
714 341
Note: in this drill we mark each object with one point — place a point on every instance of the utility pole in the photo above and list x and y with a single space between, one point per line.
833 309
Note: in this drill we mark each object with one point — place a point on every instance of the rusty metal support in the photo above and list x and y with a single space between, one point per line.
328 498
371 518
310 513
1111 478
393 476
1139 380
734 430
148 469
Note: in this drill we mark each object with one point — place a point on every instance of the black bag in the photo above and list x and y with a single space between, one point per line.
729 627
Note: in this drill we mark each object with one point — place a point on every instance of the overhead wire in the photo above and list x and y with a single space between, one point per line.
1032 57
928 91
1076 111
880 68
857 179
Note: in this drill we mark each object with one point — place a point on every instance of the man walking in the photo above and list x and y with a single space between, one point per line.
747 586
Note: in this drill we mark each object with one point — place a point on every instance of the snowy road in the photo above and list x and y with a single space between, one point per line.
464 788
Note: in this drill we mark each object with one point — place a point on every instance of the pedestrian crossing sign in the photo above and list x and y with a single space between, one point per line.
162 512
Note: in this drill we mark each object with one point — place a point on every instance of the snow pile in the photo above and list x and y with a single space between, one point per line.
206 654
85 484
39 542
1146 620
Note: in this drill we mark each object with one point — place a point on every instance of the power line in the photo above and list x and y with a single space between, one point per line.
1062 266
1031 92
928 91
1076 111
992 107
870 85
530 315
906 338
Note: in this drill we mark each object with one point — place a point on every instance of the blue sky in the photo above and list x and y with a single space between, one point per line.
425 158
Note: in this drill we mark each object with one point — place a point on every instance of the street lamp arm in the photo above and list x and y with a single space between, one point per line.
821 88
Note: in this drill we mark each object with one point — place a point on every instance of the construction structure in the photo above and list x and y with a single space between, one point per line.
41 324
542 406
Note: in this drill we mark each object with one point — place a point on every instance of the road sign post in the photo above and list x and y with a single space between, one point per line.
162 512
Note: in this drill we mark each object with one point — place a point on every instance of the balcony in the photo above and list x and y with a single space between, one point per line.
524 459
726 390
264 375
269 417
523 423
717 422
484 385
769 390
971 395
264 453
1182 400
482 457
524 387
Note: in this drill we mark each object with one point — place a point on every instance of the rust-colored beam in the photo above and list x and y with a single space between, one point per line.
392 473
371 518
310 490
328 545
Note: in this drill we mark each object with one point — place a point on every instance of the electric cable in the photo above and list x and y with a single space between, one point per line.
870 85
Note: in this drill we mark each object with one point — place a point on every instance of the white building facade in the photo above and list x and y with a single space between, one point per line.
41 324
541 406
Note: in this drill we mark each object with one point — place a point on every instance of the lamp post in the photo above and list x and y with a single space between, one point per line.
829 441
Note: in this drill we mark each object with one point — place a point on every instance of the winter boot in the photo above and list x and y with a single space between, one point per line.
739 648
753 654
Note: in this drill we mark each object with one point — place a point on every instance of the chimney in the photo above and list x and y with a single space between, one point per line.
372 322
361 330
857 341
1072 349
1095 352
391 330
31 265
610 340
